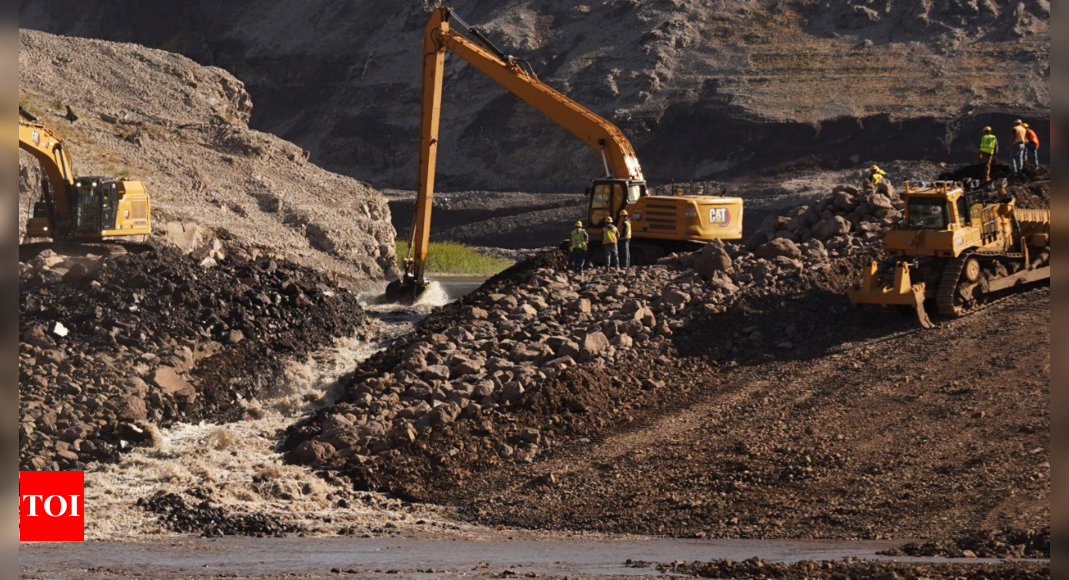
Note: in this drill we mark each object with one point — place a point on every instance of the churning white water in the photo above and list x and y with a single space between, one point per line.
239 467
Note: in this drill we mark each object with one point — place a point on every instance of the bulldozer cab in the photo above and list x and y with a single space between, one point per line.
608 197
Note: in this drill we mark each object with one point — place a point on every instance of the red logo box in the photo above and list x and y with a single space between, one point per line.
51 506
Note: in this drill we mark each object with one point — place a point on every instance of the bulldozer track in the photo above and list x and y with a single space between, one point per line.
948 287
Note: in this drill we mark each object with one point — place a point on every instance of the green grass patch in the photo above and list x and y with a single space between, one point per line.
451 258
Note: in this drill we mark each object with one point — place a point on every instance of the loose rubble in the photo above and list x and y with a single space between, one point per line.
207 521
854 570
1004 545
112 347
539 355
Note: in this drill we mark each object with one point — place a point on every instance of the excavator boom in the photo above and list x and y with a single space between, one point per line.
701 219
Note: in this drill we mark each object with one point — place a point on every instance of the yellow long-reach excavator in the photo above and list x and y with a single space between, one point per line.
661 223
960 245
84 209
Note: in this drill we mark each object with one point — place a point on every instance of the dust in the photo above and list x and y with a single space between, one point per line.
239 467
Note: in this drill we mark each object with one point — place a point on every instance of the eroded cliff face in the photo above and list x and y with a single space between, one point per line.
182 129
703 88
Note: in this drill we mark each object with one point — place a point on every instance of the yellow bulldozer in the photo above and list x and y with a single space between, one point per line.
960 245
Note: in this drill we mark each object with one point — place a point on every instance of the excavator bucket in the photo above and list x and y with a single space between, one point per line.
902 293
404 291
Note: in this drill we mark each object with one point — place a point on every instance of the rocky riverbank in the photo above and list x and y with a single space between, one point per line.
111 347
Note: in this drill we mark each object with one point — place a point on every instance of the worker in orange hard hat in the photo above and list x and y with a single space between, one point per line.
1032 146
1018 146
626 232
988 151
580 242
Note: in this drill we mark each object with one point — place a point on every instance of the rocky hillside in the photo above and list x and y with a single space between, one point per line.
183 129
703 87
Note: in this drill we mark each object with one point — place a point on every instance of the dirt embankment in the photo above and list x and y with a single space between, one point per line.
721 394
111 347
182 129
701 88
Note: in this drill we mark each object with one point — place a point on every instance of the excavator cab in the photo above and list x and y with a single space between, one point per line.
608 197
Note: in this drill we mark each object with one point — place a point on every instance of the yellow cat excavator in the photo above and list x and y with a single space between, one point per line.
661 223
75 208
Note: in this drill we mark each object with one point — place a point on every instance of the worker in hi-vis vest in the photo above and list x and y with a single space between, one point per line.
988 151
610 237
626 232
580 244
1019 147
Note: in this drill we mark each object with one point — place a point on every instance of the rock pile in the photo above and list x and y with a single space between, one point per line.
843 222
533 359
854 570
498 353
1005 545
849 224
109 346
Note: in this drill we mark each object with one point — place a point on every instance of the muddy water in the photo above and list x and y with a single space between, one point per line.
564 557
238 464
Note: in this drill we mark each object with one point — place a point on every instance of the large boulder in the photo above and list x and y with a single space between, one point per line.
713 258
780 248
831 228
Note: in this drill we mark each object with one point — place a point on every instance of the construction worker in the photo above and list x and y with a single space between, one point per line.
580 244
876 177
610 237
1032 143
1018 147
988 151
625 239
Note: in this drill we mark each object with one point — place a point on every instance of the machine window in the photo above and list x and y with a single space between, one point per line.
928 214
634 193
602 197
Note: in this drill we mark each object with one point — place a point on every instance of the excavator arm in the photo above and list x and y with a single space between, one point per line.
516 76
48 149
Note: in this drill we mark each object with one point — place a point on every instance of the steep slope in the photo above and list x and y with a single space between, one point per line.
703 87
183 130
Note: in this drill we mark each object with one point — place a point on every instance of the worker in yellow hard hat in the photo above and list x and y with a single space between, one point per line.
876 177
988 151
610 238
580 242
1019 146
626 232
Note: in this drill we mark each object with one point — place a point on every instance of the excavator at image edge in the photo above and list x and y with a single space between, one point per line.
662 224
80 209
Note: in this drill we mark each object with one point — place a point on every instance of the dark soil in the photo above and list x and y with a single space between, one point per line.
208 521
758 570
154 338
